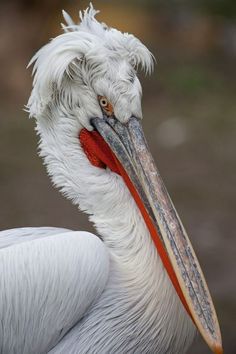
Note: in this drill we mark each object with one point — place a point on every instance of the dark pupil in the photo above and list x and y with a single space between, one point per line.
104 102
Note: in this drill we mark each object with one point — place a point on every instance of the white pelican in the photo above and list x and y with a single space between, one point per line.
135 288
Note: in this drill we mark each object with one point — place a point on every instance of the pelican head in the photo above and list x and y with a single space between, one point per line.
86 99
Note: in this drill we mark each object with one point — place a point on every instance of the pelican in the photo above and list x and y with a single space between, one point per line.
136 286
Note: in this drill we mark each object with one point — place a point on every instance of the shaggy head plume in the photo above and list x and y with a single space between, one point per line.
89 59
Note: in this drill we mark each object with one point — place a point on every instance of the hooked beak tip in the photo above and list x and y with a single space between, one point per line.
217 348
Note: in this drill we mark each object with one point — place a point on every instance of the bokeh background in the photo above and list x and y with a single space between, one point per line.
189 107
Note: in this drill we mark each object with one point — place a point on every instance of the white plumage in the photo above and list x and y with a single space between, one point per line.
40 269
65 291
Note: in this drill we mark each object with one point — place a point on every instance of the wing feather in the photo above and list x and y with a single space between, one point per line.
12 236
47 285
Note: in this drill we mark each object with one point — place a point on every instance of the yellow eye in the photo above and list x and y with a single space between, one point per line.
103 102
105 105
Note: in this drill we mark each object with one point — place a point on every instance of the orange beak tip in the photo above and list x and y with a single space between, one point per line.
217 348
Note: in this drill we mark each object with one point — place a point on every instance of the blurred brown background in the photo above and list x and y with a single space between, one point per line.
189 109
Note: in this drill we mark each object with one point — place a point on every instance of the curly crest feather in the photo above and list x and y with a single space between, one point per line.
82 55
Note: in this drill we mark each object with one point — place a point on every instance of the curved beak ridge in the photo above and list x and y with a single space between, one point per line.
130 148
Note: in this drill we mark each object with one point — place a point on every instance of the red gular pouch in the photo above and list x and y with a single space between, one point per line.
97 150
100 155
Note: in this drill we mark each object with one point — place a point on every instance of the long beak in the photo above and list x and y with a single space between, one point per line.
137 167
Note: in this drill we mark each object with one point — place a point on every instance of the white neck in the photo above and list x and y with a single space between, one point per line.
137 273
